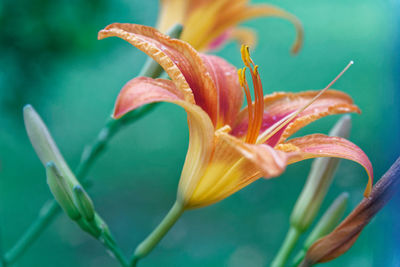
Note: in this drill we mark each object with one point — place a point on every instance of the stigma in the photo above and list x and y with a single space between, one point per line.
256 109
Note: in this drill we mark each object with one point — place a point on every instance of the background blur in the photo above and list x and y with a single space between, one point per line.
50 57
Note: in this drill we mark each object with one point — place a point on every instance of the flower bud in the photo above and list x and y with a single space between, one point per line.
89 227
318 182
346 233
83 203
328 221
44 145
61 191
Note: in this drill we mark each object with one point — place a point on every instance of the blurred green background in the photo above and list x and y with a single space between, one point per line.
50 57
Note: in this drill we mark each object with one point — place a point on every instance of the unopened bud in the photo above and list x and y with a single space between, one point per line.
342 238
61 191
83 203
318 182
88 227
44 145
326 224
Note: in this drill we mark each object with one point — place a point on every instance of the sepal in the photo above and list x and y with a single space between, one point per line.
61 191
83 203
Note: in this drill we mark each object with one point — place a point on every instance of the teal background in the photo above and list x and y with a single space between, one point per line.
51 59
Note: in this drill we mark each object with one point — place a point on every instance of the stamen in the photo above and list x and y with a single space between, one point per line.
255 119
258 106
244 84
286 120
244 50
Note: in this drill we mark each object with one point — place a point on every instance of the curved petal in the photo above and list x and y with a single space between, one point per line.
279 105
219 175
263 10
181 62
243 35
319 145
235 165
143 90
171 12
231 14
230 93
201 18
269 161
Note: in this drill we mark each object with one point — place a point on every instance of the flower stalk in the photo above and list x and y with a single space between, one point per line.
290 241
158 233
327 223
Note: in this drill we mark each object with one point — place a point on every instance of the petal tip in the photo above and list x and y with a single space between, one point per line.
104 32
368 189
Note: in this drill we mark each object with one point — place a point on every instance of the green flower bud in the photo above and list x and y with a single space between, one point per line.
61 191
89 227
326 224
318 182
83 203
44 144
329 220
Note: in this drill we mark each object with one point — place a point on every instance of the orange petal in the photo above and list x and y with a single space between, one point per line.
222 175
235 165
181 62
279 105
243 35
201 18
269 10
230 92
269 161
344 235
171 12
143 90
232 14
319 145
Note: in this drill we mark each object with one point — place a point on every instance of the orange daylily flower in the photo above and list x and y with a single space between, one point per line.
230 148
210 23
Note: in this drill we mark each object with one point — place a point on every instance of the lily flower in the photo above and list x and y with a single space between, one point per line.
208 24
230 148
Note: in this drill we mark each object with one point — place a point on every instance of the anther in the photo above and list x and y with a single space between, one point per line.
256 70
239 71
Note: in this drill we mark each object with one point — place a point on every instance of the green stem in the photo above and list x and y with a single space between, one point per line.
46 214
299 257
286 248
155 237
116 251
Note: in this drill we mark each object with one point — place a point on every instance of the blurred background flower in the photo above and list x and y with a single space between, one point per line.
50 57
